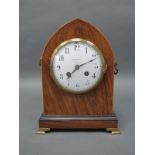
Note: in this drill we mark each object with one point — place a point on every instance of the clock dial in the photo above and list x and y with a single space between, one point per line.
77 65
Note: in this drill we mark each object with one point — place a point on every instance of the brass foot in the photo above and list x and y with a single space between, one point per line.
114 131
42 131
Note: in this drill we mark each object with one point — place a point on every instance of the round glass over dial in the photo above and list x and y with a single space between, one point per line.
77 65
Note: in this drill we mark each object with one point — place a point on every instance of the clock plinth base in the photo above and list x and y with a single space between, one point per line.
108 122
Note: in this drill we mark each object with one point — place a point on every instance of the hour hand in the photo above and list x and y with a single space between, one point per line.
70 74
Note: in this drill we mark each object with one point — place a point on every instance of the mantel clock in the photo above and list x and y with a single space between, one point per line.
77 67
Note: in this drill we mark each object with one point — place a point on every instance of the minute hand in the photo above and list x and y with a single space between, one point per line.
77 67
86 62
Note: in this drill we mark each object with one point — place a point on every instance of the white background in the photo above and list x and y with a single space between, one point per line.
145 77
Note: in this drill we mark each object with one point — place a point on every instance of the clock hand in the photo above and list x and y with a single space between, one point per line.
77 67
68 74
87 62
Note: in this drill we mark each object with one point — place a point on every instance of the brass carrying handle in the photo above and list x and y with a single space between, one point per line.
115 68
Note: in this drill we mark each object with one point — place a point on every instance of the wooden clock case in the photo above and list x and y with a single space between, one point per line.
91 110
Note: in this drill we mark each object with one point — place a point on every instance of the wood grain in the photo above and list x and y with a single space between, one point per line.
78 124
98 101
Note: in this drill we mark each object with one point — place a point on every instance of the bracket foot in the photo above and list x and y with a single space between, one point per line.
42 131
114 131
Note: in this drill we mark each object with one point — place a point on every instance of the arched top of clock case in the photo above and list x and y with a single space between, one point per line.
78 28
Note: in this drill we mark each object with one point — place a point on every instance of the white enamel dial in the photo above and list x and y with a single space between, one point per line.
77 65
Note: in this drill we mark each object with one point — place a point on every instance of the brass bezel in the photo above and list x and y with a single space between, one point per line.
104 65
